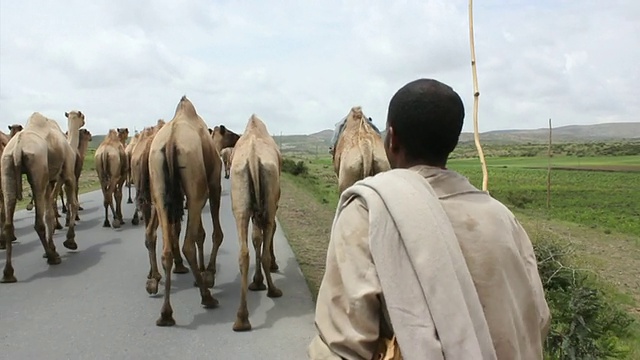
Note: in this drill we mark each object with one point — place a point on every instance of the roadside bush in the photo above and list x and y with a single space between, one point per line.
584 324
291 167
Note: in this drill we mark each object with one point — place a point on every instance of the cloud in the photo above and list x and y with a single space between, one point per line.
301 66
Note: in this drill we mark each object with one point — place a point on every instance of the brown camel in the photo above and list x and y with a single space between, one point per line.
183 161
226 160
139 170
359 151
111 166
129 150
42 152
255 193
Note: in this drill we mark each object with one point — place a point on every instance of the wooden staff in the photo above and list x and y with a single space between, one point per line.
476 95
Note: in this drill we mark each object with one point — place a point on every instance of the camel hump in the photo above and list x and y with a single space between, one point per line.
357 112
185 106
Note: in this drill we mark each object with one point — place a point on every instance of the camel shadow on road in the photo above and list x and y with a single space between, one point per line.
75 262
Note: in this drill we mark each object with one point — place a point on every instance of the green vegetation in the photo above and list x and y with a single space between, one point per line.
588 242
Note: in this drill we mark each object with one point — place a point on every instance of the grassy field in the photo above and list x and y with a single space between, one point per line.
594 212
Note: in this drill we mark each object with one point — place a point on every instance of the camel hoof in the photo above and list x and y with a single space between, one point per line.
58 226
165 320
116 224
53 260
135 221
274 267
152 286
8 279
106 224
80 207
257 286
29 207
242 325
129 201
226 176
3 246
77 218
180 269
209 302
70 244
274 293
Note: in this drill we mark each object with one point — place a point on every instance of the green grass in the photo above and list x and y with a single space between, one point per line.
605 200
596 161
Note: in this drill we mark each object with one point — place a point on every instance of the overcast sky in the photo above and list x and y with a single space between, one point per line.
301 65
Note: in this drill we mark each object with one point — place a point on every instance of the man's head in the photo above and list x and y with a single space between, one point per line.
424 122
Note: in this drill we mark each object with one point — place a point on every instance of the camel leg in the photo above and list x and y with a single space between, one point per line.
48 226
178 262
274 264
217 236
242 317
117 194
107 202
72 211
129 200
64 207
8 229
257 239
150 240
200 251
193 231
166 313
268 233
56 190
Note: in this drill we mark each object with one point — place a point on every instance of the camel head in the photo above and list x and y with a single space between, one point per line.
223 137
14 129
85 135
76 118
123 134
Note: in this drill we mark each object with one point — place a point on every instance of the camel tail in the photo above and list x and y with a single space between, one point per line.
173 193
105 177
256 186
143 189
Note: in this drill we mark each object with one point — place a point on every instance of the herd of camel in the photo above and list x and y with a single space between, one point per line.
173 166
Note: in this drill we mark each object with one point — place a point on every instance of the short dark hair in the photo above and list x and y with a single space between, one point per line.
427 118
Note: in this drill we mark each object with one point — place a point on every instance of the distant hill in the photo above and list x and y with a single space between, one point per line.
571 133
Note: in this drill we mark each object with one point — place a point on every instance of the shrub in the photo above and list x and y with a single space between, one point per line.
584 324
291 167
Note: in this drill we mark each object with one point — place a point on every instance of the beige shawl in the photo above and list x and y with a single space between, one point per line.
426 284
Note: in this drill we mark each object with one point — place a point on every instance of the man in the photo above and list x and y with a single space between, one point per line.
458 271
338 129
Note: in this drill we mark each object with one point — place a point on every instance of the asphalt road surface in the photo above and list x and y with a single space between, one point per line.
94 305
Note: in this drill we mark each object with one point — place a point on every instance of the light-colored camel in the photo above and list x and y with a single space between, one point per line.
255 193
111 166
359 151
13 130
226 160
129 150
4 139
140 179
183 161
42 152
83 146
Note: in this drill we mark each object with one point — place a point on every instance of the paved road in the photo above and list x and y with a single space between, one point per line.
94 304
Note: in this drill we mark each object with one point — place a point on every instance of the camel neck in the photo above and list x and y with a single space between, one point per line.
74 135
